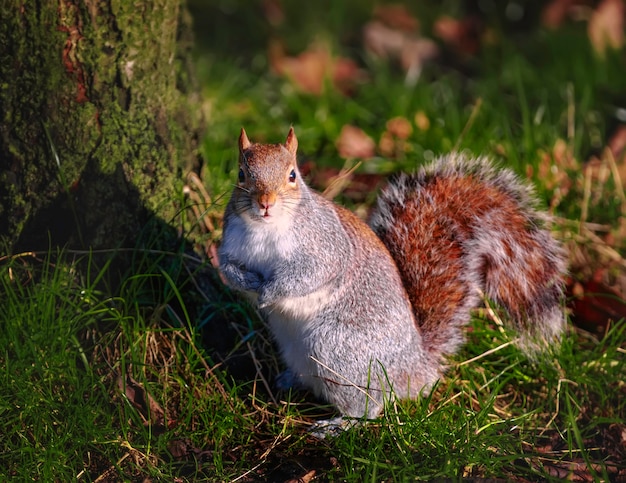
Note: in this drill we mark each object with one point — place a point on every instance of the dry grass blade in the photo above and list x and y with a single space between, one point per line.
469 123
209 371
341 180
206 217
597 244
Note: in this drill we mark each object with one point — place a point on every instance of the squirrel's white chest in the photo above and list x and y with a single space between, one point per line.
259 246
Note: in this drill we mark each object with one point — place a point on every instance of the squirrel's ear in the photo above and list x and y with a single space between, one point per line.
244 142
292 142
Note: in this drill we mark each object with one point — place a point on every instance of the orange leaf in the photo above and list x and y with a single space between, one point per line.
354 143
309 70
462 35
399 127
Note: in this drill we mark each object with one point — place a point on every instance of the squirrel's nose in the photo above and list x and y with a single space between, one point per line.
267 200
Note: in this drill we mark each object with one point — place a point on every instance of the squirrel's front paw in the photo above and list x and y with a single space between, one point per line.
253 280
240 278
263 303
266 297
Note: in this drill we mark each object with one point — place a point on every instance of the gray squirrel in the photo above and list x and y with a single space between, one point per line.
361 313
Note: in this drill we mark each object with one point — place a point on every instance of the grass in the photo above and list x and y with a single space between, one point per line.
168 376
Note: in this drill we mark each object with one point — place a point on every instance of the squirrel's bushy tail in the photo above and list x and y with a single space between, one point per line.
461 230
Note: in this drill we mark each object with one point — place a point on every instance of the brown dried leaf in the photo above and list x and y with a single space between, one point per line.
576 470
595 304
387 145
399 127
381 41
179 448
309 70
410 50
150 410
353 142
606 26
393 141
183 448
463 36
345 74
306 478
555 12
397 17
597 291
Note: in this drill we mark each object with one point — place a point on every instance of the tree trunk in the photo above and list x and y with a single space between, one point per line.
100 119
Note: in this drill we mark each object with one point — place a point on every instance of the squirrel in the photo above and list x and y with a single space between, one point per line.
363 312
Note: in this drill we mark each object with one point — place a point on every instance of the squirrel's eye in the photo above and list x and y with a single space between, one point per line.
242 176
292 176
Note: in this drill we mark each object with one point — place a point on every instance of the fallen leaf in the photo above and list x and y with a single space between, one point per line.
576 470
463 36
414 55
595 305
397 17
179 448
306 478
411 51
555 12
307 71
310 70
182 449
387 144
399 127
353 142
150 410
383 42
392 140
606 26
346 74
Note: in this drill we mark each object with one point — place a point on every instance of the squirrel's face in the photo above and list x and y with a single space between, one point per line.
268 183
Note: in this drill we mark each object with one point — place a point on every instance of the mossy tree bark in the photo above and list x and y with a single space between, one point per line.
100 119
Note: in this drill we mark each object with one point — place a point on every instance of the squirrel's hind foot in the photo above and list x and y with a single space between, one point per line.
331 428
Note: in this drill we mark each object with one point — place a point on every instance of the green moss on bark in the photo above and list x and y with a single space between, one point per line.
110 82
